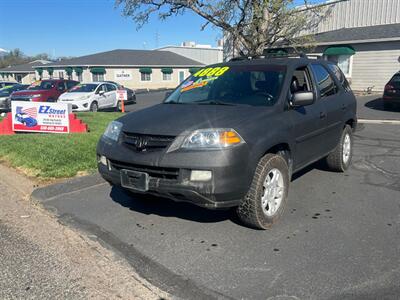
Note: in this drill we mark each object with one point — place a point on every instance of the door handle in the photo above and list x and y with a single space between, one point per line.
322 115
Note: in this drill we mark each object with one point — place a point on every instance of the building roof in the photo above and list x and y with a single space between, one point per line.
24 68
123 57
377 33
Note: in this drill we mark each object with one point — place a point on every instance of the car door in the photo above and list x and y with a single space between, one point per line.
334 100
101 96
111 95
308 122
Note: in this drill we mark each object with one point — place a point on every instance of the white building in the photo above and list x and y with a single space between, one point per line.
205 54
363 37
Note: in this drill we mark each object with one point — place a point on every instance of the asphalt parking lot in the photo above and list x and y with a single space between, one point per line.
339 237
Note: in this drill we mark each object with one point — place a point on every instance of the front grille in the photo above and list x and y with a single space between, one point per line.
20 98
146 142
156 172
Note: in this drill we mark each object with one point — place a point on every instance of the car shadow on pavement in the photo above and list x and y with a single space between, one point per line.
377 104
153 205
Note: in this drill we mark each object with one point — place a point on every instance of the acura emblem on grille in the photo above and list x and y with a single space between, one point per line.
140 142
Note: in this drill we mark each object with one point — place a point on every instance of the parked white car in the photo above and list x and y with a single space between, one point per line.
91 96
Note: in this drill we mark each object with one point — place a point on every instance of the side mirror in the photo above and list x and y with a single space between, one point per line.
302 99
101 93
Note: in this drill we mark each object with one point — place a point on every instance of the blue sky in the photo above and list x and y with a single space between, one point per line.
80 27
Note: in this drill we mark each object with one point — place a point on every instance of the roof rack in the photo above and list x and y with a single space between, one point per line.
272 55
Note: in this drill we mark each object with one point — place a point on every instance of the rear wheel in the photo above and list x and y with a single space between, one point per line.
339 160
94 107
266 199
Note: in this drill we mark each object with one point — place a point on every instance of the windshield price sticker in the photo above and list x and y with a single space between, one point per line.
217 71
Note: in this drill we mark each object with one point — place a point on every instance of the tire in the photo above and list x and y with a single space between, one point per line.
338 160
94 107
254 211
119 106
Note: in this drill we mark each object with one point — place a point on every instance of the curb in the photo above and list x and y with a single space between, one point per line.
370 121
52 191
177 286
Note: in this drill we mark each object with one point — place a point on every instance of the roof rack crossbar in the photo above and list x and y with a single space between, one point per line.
272 55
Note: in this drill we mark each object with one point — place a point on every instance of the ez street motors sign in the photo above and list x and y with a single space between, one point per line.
40 117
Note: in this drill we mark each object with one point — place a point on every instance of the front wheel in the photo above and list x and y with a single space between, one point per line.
119 106
339 160
266 199
94 107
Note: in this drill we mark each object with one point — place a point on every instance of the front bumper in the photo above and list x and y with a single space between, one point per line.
5 104
169 173
83 105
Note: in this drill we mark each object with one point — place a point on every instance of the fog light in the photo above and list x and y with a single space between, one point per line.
103 160
85 105
197 175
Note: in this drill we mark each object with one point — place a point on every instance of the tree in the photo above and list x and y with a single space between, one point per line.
253 25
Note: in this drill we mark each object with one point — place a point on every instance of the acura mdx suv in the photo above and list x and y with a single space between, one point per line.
233 134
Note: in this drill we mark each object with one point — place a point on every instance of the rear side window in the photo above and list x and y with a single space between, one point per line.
340 76
111 87
325 82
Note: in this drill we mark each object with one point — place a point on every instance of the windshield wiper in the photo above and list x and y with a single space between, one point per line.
214 102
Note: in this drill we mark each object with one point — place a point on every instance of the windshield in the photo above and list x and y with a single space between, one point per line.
42 85
6 91
256 85
83 88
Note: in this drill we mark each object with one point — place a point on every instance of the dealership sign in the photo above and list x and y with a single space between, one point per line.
40 116
122 75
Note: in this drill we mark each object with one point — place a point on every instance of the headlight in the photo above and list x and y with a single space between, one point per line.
35 96
113 130
218 138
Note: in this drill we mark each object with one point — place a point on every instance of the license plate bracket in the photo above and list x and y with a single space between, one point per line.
134 180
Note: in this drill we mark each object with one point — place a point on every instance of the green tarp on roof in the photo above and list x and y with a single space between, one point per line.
145 70
339 50
78 70
167 70
193 70
277 52
98 70
69 71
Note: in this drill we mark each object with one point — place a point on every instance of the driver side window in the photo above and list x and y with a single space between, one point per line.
300 82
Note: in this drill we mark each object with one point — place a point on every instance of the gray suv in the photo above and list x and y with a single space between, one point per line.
232 135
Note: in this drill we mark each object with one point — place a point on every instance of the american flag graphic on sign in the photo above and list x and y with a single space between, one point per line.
32 112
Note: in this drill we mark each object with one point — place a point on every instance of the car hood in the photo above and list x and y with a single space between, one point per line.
29 92
73 96
174 119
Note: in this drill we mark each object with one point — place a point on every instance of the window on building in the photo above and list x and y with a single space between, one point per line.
344 62
98 77
167 77
79 77
18 78
326 84
61 74
145 77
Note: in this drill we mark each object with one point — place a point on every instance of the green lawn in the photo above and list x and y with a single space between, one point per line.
56 155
